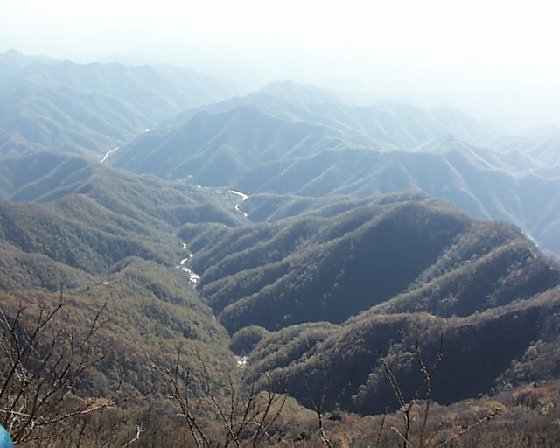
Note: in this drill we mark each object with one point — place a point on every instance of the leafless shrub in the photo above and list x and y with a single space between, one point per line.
423 398
318 404
246 415
42 364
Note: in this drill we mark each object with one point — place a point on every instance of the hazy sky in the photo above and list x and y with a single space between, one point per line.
497 59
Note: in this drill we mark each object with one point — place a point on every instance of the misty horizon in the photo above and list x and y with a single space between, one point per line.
495 62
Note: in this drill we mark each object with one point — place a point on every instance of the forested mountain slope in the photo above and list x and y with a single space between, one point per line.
281 122
104 235
289 139
483 353
541 147
314 268
90 108
284 238
325 295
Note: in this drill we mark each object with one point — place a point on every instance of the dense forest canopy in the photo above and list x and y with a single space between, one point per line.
279 267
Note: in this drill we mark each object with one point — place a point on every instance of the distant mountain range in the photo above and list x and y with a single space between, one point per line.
289 139
280 123
90 108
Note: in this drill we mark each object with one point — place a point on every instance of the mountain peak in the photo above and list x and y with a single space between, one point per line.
12 53
17 58
292 92
13 57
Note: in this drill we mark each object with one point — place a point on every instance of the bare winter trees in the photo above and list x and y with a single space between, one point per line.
242 415
42 363
428 434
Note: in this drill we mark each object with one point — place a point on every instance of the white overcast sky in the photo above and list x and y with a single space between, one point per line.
497 59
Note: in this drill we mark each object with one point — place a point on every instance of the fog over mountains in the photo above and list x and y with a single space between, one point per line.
282 234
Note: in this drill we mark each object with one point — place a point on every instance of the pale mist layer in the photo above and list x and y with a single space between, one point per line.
497 61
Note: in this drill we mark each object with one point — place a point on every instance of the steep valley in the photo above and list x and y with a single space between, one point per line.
282 259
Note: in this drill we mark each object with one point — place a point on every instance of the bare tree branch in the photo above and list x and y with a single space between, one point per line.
246 414
43 364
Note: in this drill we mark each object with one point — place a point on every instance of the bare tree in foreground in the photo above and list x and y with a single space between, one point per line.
318 404
246 415
423 397
42 363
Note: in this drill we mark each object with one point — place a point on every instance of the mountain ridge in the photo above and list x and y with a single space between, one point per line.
90 108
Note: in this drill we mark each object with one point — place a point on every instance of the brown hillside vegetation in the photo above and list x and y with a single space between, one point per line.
289 336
